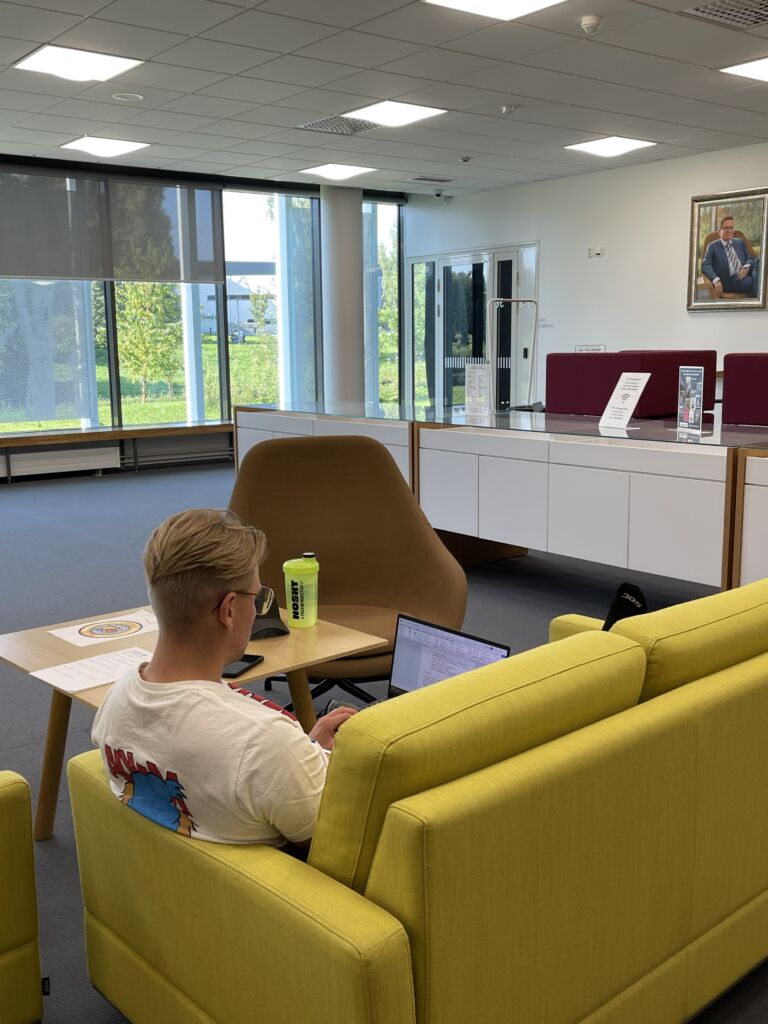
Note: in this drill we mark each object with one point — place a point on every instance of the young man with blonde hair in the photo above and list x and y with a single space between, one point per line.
180 746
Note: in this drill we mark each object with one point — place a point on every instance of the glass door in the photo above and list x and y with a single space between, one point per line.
461 306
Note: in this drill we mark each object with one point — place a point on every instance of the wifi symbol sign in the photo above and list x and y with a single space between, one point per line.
625 397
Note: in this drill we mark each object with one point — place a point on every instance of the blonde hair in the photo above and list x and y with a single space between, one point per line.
194 558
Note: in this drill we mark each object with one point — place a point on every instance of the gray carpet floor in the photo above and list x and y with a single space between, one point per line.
71 548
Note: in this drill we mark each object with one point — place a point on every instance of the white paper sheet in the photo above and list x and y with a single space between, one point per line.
89 672
622 402
100 631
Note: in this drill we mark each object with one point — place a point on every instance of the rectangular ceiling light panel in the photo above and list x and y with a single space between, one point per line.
613 146
501 10
394 115
76 65
757 69
337 172
104 147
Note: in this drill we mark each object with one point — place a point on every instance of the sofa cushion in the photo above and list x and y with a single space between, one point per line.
698 638
422 739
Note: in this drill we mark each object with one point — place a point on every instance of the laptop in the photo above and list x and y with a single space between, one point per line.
425 653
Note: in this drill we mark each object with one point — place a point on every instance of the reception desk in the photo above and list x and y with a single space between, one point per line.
651 501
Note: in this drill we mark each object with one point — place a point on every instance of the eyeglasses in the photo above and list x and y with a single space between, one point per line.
263 599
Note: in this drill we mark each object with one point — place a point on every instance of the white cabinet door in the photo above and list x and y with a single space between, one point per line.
247 437
754 542
448 490
676 527
513 502
589 513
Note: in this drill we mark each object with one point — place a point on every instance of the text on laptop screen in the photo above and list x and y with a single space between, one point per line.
426 654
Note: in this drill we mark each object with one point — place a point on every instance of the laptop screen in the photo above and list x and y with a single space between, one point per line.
425 653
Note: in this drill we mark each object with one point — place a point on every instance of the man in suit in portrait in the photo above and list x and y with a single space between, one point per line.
728 265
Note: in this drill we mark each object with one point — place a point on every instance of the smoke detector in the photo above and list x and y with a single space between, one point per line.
590 23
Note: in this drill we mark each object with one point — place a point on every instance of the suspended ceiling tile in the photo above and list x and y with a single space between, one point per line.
35 102
135 133
425 23
251 90
752 98
313 156
508 41
194 16
714 140
81 7
258 148
207 106
32 23
327 102
452 97
26 135
168 119
199 140
295 70
121 40
566 17
241 130
606 122
605 63
270 31
33 82
104 92
105 112
440 64
688 39
174 152
369 51
382 84
278 117
334 12
9 117
75 127
212 56
12 50
165 76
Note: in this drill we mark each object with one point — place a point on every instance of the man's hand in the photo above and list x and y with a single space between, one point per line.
743 271
718 286
326 727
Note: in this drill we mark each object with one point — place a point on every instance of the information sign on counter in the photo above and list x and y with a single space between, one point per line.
622 403
477 389
690 398
589 348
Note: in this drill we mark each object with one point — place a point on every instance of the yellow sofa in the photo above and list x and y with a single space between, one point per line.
20 993
526 843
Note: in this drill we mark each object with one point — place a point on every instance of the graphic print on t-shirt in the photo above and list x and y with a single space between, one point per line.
162 800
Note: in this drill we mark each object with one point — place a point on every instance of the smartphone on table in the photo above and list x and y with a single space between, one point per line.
235 669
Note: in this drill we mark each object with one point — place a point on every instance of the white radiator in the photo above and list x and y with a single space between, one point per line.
63 460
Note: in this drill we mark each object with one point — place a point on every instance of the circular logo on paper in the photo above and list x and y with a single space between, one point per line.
113 628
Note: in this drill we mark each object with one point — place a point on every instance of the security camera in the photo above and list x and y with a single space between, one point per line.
590 23
438 193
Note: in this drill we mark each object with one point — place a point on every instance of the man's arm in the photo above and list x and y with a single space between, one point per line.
708 269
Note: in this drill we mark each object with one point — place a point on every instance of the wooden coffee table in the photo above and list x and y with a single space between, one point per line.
34 649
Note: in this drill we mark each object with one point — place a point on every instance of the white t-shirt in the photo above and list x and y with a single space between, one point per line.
207 761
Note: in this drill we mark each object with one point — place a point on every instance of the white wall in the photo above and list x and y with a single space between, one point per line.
634 296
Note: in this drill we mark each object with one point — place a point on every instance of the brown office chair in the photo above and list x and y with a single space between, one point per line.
707 283
345 499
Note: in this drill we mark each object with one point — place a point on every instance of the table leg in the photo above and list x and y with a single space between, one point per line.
53 760
298 684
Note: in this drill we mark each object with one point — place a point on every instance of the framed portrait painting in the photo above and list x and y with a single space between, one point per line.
725 265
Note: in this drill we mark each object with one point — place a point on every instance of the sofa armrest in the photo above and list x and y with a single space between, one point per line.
226 931
20 994
571 625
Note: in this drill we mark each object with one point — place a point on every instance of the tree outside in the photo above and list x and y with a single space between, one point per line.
150 337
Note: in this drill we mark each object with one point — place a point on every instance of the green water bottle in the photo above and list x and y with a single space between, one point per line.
301 590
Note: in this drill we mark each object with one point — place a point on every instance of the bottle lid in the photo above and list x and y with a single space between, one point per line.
308 554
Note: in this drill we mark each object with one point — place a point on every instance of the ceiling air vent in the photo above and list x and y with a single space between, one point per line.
733 13
339 126
433 181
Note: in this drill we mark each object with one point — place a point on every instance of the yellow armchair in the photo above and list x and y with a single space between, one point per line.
20 992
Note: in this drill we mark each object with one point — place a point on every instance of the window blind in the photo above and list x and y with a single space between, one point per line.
62 227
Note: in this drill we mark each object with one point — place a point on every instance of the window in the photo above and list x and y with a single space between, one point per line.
53 356
270 297
381 300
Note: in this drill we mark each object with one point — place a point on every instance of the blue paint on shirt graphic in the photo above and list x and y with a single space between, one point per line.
153 796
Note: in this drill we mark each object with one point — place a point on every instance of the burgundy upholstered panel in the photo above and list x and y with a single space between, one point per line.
664 367
580 383
745 386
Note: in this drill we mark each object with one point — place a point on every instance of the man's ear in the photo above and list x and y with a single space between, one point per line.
227 609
